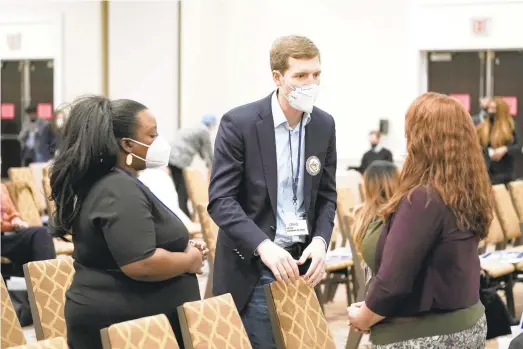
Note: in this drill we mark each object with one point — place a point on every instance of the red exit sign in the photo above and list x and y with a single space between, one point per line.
481 26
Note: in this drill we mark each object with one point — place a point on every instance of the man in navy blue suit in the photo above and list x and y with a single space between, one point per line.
273 187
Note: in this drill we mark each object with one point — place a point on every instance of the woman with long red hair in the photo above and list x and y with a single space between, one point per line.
425 289
497 136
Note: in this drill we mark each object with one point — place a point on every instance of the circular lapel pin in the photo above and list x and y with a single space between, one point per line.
313 165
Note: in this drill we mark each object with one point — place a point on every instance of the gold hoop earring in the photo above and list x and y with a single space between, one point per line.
129 160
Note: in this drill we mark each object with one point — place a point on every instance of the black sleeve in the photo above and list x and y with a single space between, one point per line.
389 156
123 213
516 147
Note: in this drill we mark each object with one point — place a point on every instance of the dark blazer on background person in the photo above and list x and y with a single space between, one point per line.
243 191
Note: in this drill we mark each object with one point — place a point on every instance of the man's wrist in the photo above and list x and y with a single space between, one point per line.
257 250
322 240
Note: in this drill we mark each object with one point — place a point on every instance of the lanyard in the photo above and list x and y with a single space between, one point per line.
295 179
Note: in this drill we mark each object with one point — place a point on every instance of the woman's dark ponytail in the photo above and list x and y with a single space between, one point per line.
89 150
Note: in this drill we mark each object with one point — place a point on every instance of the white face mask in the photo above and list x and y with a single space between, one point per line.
158 152
60 122
303 97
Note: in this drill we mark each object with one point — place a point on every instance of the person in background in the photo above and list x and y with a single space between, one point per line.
273 187
36 138
425 292
380 182
132 256
187 144
497 136
483 111
20 242
376 152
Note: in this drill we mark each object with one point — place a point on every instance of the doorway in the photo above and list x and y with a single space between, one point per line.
471 75
23 83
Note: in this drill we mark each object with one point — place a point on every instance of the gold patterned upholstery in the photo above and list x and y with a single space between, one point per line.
213 323
46 185
47 282
516 190
148 332
55 343
37 173
21 193
24 174
12 333
210 235
209 229
197 188
296 317
506 212
346 201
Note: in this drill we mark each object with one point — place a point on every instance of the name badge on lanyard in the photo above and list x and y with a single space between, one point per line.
294 224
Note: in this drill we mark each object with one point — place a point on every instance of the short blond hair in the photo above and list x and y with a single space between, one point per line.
297 47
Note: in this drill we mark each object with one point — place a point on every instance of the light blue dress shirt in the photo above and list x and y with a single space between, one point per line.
285 205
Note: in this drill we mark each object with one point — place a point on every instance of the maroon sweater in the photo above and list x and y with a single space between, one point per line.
425 263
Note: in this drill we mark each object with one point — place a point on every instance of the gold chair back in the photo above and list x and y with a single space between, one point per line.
506 212
12 333
47 282
37 173
24 174
516 191
197 188
148 332
213 323
296 316
22 195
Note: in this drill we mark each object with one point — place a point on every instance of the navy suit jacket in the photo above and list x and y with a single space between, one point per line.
243 191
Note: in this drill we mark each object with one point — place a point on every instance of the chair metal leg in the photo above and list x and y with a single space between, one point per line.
509 295
208 287
321 297
354 339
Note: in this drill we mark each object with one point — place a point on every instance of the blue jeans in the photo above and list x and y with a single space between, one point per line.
255 315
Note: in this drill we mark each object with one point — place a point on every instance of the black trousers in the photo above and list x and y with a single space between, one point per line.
181 188
28 245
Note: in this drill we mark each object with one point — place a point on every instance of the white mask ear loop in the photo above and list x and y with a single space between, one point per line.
140 143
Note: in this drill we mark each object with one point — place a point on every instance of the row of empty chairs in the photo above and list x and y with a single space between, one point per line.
296 316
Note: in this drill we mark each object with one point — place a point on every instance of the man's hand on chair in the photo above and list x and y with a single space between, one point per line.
316 252
279 261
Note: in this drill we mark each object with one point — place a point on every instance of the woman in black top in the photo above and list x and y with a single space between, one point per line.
500 144
132 254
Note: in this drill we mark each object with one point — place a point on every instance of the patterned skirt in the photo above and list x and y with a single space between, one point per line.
472 338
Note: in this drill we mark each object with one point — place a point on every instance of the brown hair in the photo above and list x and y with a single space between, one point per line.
444 155
380 182
297 47
502 129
